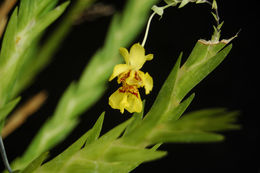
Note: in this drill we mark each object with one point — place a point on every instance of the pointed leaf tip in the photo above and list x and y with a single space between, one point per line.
95 131
183 3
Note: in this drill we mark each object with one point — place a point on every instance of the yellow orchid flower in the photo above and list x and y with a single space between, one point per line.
129 74
126 97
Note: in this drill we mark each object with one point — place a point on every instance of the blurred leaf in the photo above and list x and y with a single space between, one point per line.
209 120
174 2
64 158
185 136
77 156
43 53
35 164
4 111
197 126
47 19
183 3
25 25
124 154
9 39
214 5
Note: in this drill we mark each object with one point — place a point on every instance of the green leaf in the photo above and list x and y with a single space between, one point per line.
43 140
35 164
47 19
204 113
197 126
137 118
32 9
215 16
165 99
45 51
119 153
202 52
183 3
93 150
86 139
158 10
174 2
209 120
4 111
203 60
8 40
26 13
178 111
155 147
200 1
214 5
132 156
23 28
95 131
162 104
186 137
43 7
96 148
61 160
220 25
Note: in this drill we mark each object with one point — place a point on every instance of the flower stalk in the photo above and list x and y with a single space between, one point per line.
4 156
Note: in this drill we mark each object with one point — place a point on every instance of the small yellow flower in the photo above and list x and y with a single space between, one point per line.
129 74
126 97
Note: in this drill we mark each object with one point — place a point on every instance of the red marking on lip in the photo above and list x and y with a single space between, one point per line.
130 89
134 93
125 77
137 77
121 90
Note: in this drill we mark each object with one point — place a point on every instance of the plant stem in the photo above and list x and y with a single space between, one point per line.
4 156
149 22
147 29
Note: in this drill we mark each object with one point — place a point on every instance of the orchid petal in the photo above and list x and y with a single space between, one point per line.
118 69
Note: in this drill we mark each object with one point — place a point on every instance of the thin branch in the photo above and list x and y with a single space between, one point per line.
96 11
4 156
147 28
5 8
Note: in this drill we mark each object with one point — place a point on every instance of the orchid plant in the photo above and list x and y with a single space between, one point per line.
135 141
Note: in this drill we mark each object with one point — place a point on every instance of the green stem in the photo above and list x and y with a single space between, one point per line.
4 156
147 29
149 22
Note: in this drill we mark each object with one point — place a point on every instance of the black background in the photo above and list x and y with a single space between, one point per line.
231 85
